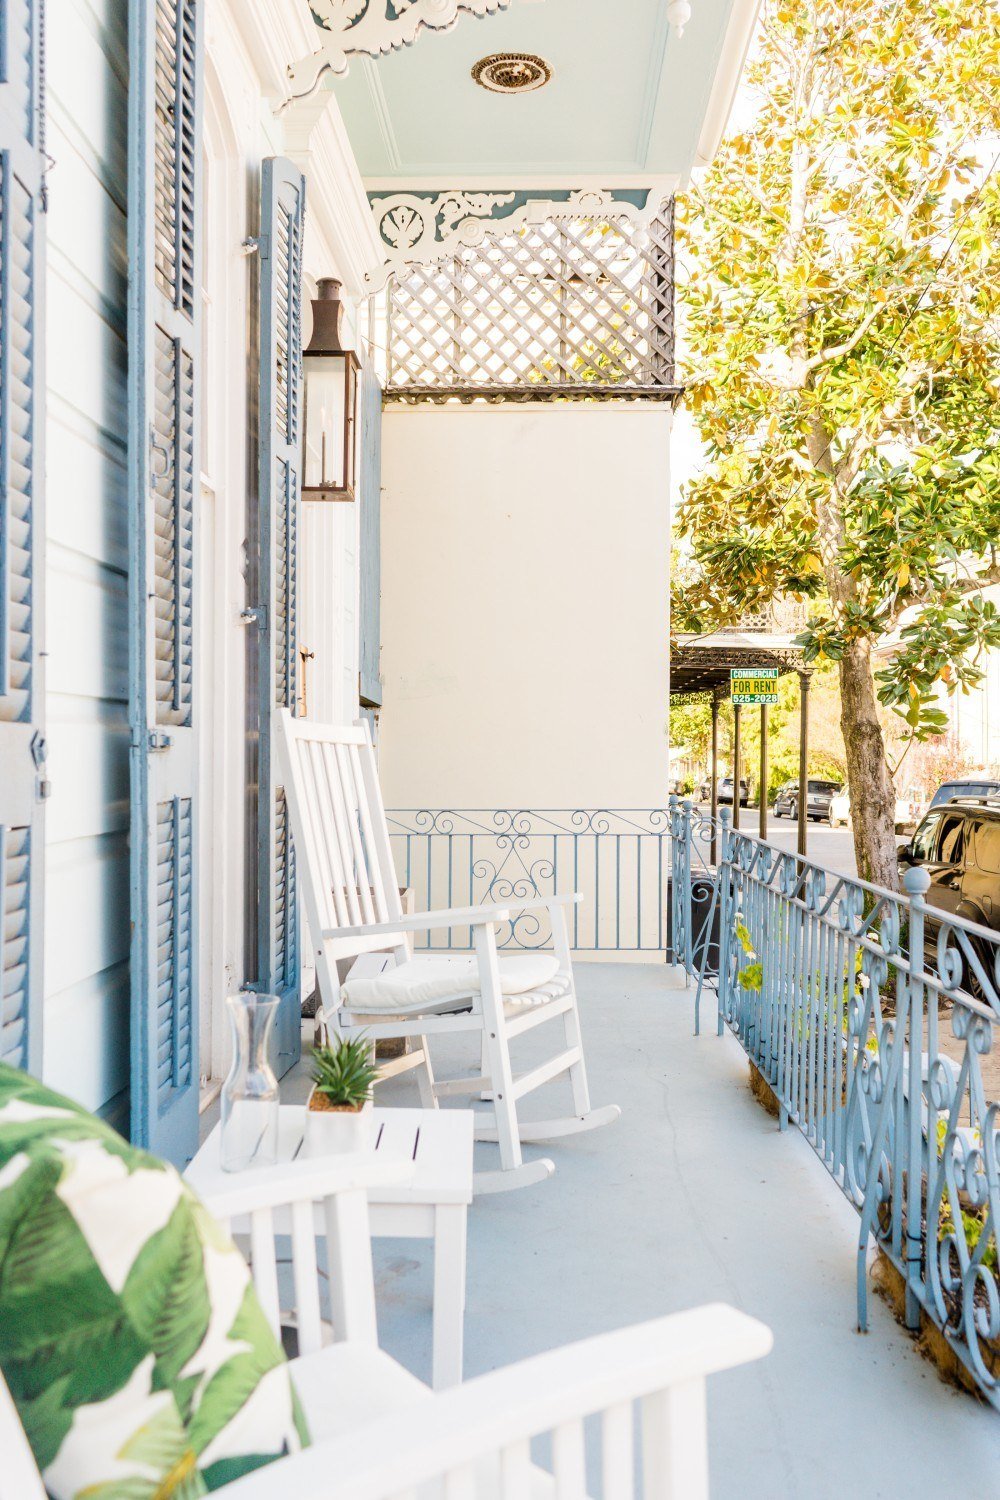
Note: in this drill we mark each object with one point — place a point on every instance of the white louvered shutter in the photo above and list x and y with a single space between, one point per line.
22 745
370 545
164 298
280 435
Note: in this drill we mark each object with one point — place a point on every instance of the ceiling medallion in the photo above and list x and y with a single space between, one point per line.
511 73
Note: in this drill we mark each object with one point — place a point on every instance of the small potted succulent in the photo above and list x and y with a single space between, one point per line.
339 1109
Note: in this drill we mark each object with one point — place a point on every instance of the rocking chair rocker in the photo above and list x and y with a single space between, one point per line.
353 908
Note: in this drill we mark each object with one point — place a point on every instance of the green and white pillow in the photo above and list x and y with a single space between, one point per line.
131 1338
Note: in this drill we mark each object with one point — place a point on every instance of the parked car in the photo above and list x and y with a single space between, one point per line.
908 811
840 808
785 799
965 786
958 844
704 792
819 796
910 808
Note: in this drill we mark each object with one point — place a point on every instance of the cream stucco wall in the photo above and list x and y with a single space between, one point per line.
525 571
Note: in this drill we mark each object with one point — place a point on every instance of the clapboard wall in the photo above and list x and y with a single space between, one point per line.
86 1034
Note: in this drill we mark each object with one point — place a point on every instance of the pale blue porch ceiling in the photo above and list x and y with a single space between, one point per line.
627 98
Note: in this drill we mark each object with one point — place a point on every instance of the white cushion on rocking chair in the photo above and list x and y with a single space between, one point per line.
425 983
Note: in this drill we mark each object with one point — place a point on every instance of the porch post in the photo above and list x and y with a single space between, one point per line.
762 823
736 765
803 759
714 805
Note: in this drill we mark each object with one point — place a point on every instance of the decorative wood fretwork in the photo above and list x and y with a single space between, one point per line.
346 28
571 307
418 226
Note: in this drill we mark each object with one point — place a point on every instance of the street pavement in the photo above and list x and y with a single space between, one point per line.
832 847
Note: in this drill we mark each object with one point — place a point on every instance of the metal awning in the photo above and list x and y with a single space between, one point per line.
699 668
700 664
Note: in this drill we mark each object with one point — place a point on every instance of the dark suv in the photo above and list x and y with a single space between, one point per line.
958 845
951 791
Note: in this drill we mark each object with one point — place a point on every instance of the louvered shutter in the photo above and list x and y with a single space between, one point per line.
370 542
22 746
280 437
164 298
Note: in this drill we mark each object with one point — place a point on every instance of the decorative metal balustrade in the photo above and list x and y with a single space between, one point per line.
873 1018
617 858
569 307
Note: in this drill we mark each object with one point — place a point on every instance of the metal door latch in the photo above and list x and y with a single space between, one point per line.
158 740
255 615
39 751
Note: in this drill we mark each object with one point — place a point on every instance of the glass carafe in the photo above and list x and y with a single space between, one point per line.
250 1093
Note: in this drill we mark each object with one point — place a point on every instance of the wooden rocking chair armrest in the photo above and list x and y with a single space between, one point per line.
397 1453
310 1180
425 921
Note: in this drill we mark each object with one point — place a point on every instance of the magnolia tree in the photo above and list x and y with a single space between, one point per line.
841 305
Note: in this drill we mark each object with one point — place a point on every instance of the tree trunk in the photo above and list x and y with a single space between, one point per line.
873 799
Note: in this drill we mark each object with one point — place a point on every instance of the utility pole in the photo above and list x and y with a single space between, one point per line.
762 825
804 678
714 805
736 765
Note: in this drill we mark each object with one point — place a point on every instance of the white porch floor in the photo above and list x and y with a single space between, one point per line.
694 1196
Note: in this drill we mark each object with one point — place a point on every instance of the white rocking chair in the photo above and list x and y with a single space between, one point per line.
353 907
378 1433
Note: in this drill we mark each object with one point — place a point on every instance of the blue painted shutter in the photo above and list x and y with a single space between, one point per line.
370 545
164 297
282 211
22 746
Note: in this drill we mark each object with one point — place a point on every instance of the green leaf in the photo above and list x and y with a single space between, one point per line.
231 1387
166 1294
227 1470
160 1444
46 1419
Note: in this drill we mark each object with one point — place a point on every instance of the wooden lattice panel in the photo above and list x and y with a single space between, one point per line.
568 307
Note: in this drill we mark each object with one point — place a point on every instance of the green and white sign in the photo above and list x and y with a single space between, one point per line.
750 686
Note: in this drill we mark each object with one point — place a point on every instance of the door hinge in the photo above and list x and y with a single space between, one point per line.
256 614
157 739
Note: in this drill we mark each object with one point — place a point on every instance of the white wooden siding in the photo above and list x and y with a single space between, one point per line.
86 898
329 609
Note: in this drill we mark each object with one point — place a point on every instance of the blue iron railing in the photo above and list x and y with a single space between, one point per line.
872 1018
617 858
695 843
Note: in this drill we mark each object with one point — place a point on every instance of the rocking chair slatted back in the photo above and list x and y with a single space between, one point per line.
339 826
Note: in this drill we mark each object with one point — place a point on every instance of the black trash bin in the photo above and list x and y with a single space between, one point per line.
705 922
705 931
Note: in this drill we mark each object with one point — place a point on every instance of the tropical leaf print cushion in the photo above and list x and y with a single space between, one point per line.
131 1338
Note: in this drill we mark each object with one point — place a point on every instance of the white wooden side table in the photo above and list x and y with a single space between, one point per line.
431 1202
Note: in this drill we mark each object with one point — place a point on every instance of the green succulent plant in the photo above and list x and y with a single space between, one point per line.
344 1071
